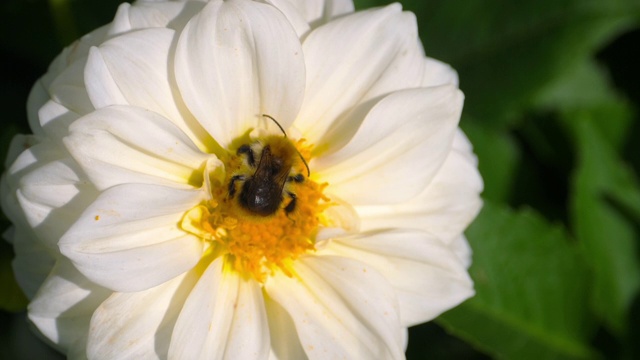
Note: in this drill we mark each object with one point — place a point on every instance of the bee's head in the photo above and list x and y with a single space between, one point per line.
288 142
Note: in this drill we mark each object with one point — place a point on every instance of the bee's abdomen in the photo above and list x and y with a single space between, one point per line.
260 198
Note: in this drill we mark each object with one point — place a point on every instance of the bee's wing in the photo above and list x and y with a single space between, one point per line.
281 178
265 164
272 168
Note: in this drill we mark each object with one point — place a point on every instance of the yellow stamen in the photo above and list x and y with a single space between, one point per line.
253 245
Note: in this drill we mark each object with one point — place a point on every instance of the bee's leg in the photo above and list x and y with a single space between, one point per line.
291 206
246 149
296 178
232 184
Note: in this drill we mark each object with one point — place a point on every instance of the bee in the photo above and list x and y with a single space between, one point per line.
262 192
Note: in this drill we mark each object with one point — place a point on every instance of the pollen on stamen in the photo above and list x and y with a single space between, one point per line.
257 246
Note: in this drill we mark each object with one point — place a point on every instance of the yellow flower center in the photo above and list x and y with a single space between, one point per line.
256 245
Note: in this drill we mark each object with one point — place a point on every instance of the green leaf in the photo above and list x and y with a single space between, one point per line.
530 289
605 200
499 156
506 51
625 194
587 86
609 239
583 85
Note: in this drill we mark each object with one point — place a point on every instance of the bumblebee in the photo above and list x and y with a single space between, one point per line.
262 192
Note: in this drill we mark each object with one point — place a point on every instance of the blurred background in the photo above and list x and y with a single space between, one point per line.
552 107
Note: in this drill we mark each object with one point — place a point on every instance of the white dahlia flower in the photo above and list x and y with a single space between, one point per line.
242 180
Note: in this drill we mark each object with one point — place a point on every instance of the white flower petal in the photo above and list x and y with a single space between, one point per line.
463 146
57 66
318 12
55 119
79 50
138 325
33 260
174 15
104 192
43 192
341 309
398 149
404 72
124 144
129 239
121 22
78 351
341 215
38 96
136 69
307 14
235 61
427 275
285 343
63 83
144 14
10 205
22 157
223 318
52 196
293 15
63 306
101 87
24 153
68 89
32 153
445 208
406 68
405 338
461 247
438 73
344 59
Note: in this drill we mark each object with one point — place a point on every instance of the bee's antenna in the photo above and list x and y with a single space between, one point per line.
305 163
277 123
285 135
